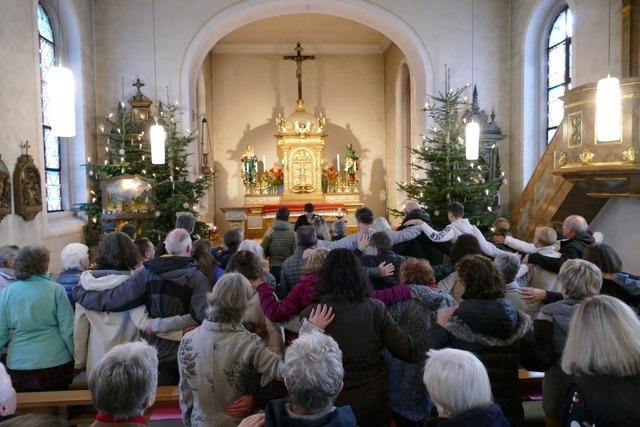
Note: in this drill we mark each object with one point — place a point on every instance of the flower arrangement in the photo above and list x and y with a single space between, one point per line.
275 176
331 174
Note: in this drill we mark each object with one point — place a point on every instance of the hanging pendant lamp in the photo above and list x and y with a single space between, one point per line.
608 103
472 129
472 140
158 137
157 134
63 107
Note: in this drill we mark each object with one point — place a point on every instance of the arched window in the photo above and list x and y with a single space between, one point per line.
558 49
52 158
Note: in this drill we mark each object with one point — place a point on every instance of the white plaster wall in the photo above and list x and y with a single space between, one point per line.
249 91
616 221
20 104
124 46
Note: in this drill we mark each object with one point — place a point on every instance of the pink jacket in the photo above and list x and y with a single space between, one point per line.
302 294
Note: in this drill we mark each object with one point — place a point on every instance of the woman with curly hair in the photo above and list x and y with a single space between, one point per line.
487 325
37 325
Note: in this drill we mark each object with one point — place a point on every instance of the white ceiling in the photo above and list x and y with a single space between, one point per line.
315 31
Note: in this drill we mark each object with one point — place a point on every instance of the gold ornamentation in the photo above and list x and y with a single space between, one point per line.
562 158
629 155
586 156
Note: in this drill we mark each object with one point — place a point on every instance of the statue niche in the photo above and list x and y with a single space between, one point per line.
27 186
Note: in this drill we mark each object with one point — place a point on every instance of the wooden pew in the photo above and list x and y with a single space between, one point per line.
76 405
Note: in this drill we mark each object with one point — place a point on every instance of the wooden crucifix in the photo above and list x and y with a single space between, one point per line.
299 58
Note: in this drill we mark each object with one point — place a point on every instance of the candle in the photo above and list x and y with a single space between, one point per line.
338 162
264 161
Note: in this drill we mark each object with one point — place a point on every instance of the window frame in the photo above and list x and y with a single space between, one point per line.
568 42
46 128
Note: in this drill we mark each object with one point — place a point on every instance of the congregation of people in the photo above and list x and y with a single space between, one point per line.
315 327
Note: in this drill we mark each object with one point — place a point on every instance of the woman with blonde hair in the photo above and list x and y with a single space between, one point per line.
603 351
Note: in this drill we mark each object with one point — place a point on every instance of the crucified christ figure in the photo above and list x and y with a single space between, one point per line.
299 58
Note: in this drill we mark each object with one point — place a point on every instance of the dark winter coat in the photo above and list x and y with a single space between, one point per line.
281 244
301 221
569 249
407 393
69 278
168 286
489 416
421 246
502 338
388 257
302 294
550 339
604 401
363 330
609 287
276 415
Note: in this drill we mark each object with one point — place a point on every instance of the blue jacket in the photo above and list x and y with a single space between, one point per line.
489 416
276 415
36 322
69 278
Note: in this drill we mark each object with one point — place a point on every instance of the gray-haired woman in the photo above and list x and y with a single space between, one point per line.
37 325
123 384
220 360
313 375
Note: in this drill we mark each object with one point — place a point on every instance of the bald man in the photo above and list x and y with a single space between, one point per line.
169 286
576 232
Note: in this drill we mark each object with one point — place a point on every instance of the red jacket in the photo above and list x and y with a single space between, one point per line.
302 294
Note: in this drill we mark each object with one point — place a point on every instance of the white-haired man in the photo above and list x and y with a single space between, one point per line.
576 232
123 384
169 286
75 260
313 375
7 257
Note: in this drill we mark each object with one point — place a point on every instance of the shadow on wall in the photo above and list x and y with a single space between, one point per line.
376 199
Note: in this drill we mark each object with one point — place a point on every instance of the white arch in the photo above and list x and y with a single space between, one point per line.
533 48
236 16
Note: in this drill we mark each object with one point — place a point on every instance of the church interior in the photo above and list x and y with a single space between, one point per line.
517 120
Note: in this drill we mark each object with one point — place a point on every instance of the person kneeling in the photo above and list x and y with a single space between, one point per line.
123 384
459 387
313 376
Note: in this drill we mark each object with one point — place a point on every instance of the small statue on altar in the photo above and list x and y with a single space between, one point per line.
351 165
249 166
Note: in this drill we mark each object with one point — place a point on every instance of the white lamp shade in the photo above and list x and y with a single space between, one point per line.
63 108
158 138
608 110
472 140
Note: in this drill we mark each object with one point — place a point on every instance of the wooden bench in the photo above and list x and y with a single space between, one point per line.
76 405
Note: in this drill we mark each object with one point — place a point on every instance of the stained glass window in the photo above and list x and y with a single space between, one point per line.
52 164
558 58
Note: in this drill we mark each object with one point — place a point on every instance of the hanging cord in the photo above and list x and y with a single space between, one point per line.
155 65
472 41
59 31
609 44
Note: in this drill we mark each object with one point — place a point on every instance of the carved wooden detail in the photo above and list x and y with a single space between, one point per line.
5 190
27 187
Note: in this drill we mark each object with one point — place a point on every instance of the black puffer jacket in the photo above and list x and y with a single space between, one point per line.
421 246
502 338
570 249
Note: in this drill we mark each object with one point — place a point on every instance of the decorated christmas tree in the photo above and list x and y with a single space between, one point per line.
441 174
128 152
